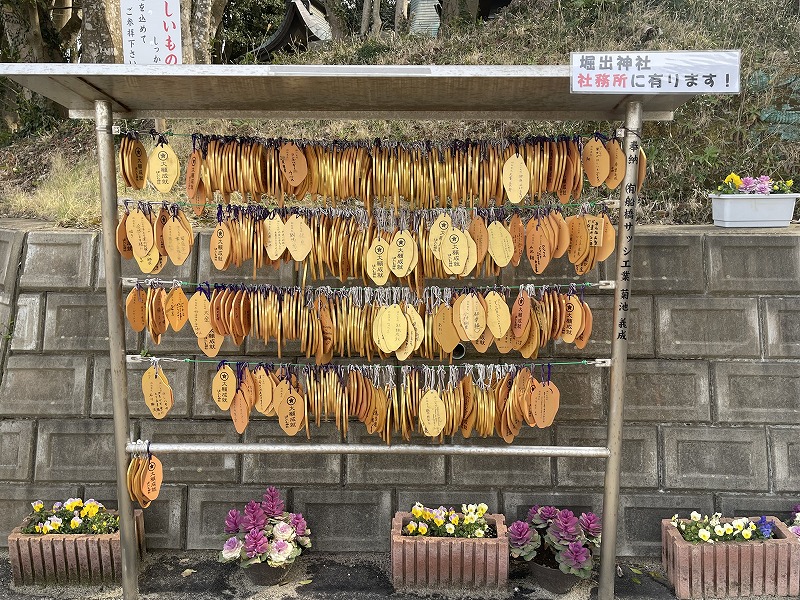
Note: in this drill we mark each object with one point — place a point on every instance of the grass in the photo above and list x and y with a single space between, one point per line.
710 136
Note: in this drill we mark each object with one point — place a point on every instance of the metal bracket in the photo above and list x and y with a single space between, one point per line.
116 129
607 284
611 203
130 281
601 362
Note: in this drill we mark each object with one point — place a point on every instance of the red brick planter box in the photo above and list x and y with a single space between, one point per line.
65 558
761 568
425 562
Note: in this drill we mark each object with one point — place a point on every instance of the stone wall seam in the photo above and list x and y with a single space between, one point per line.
12 295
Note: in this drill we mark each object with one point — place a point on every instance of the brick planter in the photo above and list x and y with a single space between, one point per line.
762 568
426 562
65 558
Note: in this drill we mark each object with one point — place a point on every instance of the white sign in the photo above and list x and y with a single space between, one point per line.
151 32
703 72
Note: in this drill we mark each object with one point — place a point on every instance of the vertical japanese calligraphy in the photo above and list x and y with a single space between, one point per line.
151 32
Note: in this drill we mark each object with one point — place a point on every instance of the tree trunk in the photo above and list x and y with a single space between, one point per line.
451 11
22 30
187 33
401 16
201 27
366 14
101 35
376 17
332 12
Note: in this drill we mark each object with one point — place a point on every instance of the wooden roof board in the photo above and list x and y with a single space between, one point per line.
329 91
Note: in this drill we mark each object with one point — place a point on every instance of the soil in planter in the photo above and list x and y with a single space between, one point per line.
491 532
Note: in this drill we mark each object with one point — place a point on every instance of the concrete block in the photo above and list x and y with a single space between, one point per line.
28 323
179 375
639 532
11 243
75 450
707 327
666 261
447 498
639 457
208 507
503 471
58 260
80 322
715 458
289 469
164 517
785 449
516 504
44 385
782 326
16 442
750 505
640 328
130 268
196 467
16 498
285 275
559 271
387 470
757 392
346 520
753 262
661 390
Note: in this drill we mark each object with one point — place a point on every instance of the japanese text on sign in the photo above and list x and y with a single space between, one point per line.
704 72
151 32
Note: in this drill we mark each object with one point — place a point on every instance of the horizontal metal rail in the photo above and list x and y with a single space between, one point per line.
142 447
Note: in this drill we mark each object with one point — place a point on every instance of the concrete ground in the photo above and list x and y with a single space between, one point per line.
318 576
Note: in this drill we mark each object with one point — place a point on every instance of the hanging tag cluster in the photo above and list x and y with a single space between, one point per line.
145 475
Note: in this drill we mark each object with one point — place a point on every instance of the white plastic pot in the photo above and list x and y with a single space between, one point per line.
752 210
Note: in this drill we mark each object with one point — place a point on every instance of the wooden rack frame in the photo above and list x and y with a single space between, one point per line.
105 92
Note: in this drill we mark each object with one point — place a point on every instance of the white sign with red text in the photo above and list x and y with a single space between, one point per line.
701 72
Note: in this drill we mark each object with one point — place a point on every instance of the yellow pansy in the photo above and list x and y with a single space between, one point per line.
439 522
46 528
423 528
417 510
734 179
38 506
411 527
747 534
728 528
482 508
454 519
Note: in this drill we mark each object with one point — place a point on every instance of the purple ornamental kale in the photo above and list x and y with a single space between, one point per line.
272 504
564 528
233 521
591 525
796 509
297 521
519 534
575 556
544 515
255 543
254 516
532 513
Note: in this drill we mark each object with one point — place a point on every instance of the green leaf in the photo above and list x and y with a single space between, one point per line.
636 580
304 582
635 570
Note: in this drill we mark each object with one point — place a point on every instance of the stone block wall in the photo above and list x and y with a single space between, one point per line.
712 404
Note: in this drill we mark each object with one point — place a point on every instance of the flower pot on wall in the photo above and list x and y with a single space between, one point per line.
755 568
69 558
752 210
263 574
425 562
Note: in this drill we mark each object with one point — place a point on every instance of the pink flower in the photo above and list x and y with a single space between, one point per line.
519 534
255 543
795 529
575 555
233 521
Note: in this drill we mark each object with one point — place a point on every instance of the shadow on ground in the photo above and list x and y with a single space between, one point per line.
317 576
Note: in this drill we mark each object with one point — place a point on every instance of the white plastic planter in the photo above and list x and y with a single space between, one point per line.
752 210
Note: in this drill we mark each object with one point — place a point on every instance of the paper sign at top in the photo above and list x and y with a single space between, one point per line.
151 32
700 72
